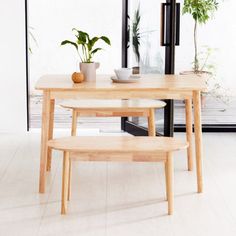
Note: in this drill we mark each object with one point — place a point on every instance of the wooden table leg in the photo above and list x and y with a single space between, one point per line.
65 178
44 139
50 133
151 123
188 114
198 138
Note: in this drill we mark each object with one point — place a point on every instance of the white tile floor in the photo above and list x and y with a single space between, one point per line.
117 199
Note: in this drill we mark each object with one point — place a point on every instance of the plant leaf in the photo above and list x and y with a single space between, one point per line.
69 42
106 40
92 42
96 50
81 36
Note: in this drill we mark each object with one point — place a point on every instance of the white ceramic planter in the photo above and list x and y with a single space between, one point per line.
89 70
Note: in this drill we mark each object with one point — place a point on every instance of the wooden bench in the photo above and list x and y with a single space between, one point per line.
114 108
121 148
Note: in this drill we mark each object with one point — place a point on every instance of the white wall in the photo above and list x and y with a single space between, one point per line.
12 66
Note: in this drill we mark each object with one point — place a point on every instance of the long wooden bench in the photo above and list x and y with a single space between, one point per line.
121 148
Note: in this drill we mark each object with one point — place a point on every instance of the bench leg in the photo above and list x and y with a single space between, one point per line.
169 182
69 182
188 113
50 133
65 178
151 123
73 133
74 123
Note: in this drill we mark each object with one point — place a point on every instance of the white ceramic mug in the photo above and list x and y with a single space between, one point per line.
123 73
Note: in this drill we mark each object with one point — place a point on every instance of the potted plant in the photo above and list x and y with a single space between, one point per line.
201 11
85 47
133 32
208 65
136 38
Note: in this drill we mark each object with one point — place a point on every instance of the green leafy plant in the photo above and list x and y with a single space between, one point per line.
85 46
205 61
207 64
136 33
201 11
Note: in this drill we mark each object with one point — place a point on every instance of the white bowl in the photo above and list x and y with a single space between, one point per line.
123 73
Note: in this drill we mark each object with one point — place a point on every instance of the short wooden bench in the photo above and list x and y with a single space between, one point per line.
114 108
121 148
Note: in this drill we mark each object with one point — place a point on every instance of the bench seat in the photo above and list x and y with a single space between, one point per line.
118 144
96 104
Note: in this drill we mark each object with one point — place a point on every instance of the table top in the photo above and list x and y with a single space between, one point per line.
103 83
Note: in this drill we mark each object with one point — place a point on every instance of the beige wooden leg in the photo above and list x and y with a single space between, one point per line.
166 180
188 113
74 123
44 139
169 181
198 137
151 123
73 133
69 181
50 133
65 178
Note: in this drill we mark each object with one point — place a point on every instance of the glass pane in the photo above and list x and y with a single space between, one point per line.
145 55
216 51
50 23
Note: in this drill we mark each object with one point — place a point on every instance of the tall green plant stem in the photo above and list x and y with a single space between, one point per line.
196 61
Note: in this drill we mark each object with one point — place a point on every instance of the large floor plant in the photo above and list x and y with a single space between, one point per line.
136 33
201 11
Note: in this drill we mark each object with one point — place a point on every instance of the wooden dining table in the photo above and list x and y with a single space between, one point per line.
153 86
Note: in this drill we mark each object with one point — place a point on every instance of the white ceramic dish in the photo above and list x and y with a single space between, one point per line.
131 79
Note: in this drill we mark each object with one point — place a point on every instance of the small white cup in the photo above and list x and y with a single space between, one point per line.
123 73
